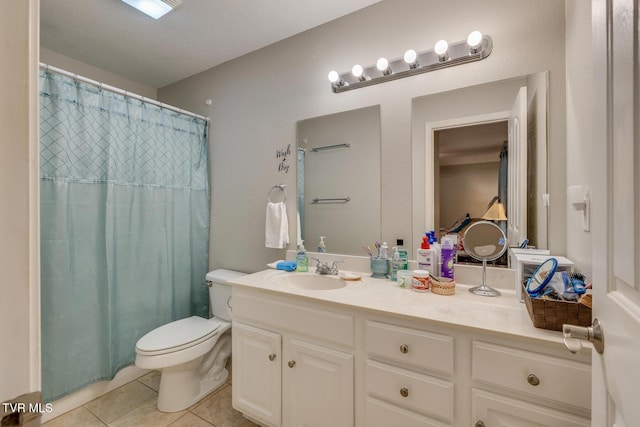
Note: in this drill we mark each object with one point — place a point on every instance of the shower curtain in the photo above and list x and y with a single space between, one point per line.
124 227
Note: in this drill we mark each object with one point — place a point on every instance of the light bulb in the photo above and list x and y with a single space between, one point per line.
440 49
383 66
333 76
357 71
411 58
474 39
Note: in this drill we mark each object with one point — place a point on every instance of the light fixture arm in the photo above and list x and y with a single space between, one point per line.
457 54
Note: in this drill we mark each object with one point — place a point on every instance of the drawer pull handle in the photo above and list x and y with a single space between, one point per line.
479 423
292 363
272 357
533 380
404 392
404 349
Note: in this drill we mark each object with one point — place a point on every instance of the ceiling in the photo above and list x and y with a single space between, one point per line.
196 36
472 144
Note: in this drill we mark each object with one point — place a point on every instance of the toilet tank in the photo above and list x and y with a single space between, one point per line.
220 292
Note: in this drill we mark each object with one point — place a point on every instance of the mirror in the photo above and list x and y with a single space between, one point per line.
469 144
542 276
340 173
338 182
484 241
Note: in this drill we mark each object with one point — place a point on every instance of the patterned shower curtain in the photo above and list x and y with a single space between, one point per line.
124 227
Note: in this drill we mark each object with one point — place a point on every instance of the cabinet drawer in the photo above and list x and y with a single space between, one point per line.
500 411
410 346
336 328
417 392
383 414
547 377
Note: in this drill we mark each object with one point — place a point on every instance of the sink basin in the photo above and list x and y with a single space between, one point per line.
310 282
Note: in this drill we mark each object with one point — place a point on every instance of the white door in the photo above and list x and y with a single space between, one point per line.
319 386
257 373
517 175
616 213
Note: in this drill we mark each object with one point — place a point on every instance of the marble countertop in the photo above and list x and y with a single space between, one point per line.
502 315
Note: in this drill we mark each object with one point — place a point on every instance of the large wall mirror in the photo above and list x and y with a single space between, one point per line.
338 182
479 149
458 138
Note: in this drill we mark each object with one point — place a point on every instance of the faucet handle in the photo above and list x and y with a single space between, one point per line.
319 262
334 266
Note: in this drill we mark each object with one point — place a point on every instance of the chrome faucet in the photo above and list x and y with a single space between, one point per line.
323 267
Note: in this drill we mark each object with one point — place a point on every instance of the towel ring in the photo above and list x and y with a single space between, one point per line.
279 187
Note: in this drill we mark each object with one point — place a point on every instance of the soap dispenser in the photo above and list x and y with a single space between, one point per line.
302 259
321 246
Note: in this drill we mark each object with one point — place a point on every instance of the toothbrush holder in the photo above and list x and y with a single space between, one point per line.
379 267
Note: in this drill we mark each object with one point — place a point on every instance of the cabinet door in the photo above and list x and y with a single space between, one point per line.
257 373
318 384
494 410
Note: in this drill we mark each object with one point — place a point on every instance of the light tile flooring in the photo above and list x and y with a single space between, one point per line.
134 404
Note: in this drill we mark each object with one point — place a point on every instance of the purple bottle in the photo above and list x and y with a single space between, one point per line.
448 255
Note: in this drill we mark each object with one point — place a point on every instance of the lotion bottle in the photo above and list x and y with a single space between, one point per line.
448 254
425 256
321 246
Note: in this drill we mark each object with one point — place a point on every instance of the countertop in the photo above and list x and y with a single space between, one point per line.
502 315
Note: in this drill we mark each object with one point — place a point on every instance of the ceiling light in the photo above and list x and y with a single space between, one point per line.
154 8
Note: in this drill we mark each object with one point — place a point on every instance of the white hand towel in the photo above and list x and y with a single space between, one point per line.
276 226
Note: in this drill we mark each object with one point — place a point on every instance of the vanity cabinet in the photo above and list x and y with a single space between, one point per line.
299 360
288 369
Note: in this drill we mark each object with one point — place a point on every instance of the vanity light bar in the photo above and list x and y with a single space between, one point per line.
476 48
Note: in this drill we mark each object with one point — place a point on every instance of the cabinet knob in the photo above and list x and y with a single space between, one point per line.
404 349
533 380
272 357
292 363
404 392
479 423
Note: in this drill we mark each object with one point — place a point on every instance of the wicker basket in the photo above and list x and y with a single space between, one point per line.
552 314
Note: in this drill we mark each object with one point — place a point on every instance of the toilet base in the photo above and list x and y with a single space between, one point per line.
184 385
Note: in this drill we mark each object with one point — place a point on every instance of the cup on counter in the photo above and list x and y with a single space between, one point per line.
404 278
379 267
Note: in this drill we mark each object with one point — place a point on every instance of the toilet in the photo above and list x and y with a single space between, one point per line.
191 353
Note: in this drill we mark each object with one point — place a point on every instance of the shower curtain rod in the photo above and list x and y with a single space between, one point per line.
114 89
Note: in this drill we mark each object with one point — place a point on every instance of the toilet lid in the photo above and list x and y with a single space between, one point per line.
181 333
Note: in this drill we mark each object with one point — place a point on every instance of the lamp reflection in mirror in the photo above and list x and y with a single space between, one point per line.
495 212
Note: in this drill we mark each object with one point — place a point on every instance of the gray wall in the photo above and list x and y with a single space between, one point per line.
258 98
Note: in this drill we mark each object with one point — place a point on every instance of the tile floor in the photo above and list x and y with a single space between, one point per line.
134 404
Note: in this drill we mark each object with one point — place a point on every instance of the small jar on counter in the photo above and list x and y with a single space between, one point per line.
420 281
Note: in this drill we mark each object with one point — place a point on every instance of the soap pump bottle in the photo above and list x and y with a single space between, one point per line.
396 264
302 259
426 256
321 246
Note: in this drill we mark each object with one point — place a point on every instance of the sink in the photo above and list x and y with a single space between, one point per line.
310 282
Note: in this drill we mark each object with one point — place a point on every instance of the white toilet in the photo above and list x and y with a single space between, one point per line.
191 353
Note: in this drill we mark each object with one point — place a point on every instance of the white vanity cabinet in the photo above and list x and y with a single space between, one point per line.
293 365
375 355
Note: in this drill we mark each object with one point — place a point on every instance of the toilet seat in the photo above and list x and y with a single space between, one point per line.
178 335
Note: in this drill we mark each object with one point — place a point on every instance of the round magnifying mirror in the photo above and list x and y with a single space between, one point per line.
541 277
485 241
